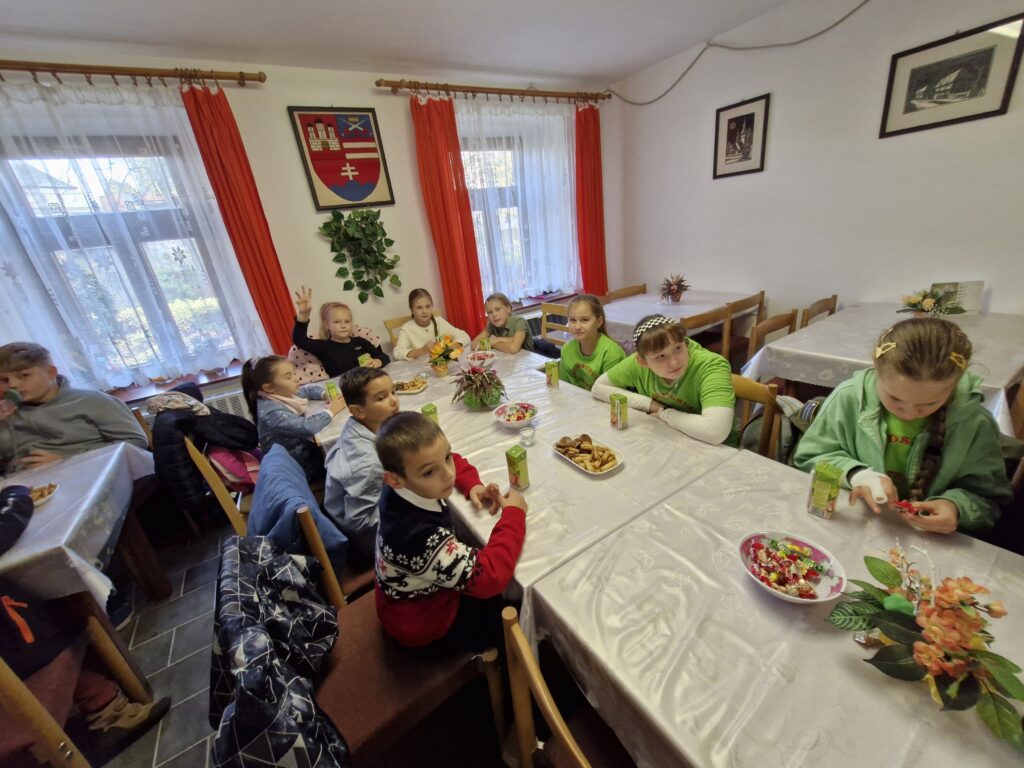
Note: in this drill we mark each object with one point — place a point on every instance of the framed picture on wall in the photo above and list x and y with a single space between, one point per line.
740 134
966 76
343 156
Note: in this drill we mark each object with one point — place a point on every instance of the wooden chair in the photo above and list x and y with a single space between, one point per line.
236 509
751 391
137 413
374 689
759 333
52 746
395 323
621 293
702 328
819 307
547 325
528 686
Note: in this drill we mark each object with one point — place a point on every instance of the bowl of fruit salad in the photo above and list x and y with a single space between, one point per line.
515 415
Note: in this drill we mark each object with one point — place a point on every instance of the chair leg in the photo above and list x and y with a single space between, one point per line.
111 649
489 661
522 710
52 745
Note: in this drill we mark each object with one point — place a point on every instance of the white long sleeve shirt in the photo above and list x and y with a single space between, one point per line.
412 336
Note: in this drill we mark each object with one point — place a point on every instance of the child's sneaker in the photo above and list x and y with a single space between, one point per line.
120 724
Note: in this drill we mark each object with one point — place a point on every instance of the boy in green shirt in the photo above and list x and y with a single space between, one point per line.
675 378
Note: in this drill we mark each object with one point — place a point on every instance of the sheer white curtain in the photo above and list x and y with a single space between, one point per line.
112 250
519 160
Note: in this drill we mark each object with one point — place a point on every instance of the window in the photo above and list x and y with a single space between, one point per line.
518 161
115 245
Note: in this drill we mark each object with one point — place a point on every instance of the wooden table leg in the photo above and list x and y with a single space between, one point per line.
111 648
141 560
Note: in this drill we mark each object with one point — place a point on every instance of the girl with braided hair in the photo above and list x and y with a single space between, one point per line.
913 427
674 379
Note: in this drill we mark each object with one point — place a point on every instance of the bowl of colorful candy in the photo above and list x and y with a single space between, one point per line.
481 356
515 415
792 568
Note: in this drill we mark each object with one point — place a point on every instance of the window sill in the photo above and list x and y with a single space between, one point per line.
135 393
530 302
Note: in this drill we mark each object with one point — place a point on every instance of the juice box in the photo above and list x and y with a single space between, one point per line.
518 473
365 358
826 480
333 393
620 411
551 369
430 411
485 344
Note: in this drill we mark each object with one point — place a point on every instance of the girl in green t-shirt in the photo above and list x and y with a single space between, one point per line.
591 351
507 332
675 379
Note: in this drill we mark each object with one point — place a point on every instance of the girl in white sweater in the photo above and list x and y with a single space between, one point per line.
419 334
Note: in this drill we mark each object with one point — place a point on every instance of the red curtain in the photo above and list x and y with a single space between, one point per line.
590 201
446 199
227 166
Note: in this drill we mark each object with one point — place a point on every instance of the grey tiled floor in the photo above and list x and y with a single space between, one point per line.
171 642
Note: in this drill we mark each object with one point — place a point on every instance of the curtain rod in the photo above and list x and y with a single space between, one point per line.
522 93
88 70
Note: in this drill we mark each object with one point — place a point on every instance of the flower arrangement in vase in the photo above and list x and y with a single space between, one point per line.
936 632
444 350
478 386
673 287
931 301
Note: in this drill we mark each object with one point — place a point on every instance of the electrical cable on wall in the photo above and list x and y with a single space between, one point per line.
726 46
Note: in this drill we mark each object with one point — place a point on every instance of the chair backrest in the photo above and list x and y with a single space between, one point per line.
621 293
743 305
547 325
695 323
137 413
220 491
819 307
761 330
328 578
754 392
525 679
395 323
308 367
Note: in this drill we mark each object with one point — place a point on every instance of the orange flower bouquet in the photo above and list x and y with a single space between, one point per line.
444 350
936 632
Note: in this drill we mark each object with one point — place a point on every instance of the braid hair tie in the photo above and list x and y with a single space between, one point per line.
958 360
647 325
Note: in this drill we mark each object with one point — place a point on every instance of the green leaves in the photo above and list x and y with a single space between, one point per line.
899 604
884 573
1004 672
396 281
854 617
898 626
897 661
1000 716
958 695
359 242
877 594
348 286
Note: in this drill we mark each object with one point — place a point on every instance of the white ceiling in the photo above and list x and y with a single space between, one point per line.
593 41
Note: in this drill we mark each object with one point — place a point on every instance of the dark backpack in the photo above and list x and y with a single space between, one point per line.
795 420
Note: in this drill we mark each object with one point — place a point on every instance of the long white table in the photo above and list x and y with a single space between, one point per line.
622 315
831 350
691 663
72 535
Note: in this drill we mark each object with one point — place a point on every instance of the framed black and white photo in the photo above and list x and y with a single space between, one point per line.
740 133
966 76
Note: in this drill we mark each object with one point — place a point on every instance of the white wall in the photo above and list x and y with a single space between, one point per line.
836 209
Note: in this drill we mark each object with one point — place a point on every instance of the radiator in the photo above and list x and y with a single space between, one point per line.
229 402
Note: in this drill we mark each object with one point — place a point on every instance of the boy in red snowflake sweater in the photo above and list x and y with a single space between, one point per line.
434 591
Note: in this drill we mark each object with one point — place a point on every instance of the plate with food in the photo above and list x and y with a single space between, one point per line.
410 387
42 493
481 356
791 567
515 415
588 455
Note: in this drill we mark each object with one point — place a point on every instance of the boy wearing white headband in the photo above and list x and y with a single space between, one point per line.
675 379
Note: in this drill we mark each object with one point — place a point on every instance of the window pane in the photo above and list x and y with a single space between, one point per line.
489 169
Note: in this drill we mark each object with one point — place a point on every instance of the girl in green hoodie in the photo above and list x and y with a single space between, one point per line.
914 428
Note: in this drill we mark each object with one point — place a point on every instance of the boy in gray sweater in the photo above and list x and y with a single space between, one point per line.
52 419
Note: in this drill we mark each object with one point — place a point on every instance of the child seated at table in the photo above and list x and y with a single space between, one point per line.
676 379
913 427
279 407
591 351
507 332
434 591
338 349
354 474
52 419
417 336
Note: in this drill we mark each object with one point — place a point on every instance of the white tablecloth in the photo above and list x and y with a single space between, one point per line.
692 663
622 315
831 350
71 536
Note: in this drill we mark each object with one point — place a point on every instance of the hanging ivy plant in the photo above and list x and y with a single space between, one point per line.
359 242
